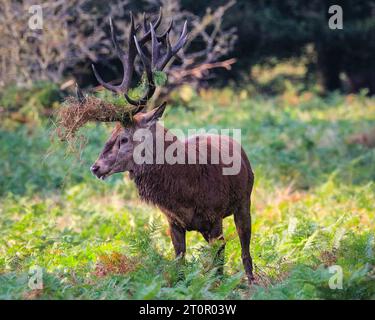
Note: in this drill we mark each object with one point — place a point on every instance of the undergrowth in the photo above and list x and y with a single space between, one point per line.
313 209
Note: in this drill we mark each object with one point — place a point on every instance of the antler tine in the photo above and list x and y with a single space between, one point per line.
150 79
144 23
155 47
162 36
146 30
127 60
119 51
147 33
158 62
171 51
79 93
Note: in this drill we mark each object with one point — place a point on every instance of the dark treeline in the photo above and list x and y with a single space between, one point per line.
255 32
282 29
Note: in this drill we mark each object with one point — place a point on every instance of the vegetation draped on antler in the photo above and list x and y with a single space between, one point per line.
80 110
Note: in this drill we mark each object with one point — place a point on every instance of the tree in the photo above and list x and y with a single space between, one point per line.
282 29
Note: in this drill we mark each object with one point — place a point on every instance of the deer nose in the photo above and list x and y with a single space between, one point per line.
94 168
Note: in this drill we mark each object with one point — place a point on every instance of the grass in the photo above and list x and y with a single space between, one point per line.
313 207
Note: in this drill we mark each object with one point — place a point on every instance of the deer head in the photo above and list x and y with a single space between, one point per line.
117 155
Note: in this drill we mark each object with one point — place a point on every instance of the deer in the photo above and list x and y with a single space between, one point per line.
192 196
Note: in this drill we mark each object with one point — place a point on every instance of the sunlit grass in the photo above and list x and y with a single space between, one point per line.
313 207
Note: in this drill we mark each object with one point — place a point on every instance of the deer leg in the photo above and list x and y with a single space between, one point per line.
178 239
216 233
179 244
242 220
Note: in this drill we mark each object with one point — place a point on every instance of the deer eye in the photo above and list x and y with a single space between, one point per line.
124 140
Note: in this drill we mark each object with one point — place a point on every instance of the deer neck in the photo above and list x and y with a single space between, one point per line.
155 181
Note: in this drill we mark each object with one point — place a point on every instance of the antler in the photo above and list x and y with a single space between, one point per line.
127 60
157 61
80 96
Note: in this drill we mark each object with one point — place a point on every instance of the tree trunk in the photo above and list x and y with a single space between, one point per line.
329 66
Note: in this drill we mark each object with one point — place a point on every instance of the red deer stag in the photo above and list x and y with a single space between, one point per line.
193 196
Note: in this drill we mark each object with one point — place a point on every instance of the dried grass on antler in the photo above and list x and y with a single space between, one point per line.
75 113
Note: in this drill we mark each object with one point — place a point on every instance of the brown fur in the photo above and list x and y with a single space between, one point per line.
192 196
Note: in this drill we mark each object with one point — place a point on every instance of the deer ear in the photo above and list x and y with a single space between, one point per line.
154 115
